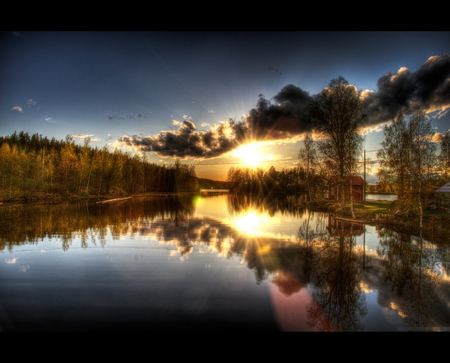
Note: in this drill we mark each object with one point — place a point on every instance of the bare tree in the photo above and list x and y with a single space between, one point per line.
339 118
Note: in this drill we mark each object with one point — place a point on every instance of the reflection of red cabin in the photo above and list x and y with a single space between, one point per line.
357 187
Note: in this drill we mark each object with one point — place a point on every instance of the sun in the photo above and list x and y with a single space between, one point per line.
250 154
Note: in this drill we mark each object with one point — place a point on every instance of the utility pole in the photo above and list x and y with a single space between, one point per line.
42 173
364 186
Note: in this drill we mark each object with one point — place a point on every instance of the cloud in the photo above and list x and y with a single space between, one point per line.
428 89
49 119
83 136
438 137
30 102
18 109
92 138
187 142
286 117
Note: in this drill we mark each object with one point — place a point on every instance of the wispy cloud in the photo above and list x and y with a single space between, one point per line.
49 119
18 109
129 116
83 136
30 103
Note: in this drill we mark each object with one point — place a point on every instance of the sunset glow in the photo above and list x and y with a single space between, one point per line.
252 154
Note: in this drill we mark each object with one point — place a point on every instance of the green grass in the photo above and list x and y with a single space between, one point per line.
380 206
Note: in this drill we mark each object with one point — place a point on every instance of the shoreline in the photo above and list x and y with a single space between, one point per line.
435 225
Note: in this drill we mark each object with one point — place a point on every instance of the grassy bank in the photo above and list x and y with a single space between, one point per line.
383 213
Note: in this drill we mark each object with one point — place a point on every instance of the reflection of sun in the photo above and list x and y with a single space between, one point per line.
250 154
249 222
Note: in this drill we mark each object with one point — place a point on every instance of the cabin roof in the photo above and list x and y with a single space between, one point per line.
356 180
444 189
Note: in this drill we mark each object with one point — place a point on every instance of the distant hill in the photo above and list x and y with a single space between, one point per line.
204 183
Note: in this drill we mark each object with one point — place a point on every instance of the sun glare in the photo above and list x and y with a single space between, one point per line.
248 222
250 154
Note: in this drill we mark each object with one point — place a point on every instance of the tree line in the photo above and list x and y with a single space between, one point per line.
33 164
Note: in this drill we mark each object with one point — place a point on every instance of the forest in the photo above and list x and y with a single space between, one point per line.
33 166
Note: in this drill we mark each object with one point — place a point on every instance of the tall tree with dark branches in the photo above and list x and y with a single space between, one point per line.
339 118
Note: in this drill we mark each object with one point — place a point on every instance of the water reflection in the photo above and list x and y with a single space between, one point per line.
333 266
320 273
411 267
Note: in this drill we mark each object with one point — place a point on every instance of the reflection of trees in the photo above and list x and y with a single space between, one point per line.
168 219
333 267
410 269
255 257
292 204
30 223
307 235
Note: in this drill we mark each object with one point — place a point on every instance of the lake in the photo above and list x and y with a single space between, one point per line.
380 196
214 263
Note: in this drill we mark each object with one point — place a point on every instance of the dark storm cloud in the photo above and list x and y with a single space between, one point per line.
428 89
286 116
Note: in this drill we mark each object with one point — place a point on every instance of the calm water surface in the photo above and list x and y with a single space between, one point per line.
213 263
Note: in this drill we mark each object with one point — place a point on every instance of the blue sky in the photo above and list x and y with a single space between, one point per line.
160 92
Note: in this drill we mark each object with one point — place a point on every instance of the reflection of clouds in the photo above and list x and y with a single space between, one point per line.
30 102
11 260
216 235
24 268
287 283
184 233
396 307
364 287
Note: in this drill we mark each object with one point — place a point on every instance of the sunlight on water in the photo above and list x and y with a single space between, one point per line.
250 222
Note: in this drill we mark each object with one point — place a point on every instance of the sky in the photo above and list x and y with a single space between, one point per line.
192 94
